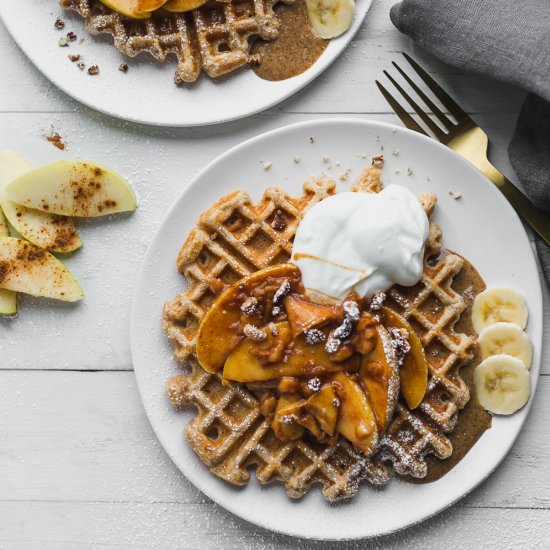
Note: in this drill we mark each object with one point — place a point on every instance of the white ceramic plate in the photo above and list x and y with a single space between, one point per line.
147 93
481 225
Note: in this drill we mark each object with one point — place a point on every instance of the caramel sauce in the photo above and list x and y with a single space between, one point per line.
303 256
296 48
56 140
473 419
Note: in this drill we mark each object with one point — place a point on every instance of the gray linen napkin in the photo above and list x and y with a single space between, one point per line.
508 40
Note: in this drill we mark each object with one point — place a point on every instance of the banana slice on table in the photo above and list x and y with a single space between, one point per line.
499 303
506 338
503 384
330 18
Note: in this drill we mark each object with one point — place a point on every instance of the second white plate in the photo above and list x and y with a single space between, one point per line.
498 247
147 93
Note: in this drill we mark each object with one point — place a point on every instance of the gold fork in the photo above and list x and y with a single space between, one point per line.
464 136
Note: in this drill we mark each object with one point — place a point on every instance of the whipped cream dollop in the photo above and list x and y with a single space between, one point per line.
365 242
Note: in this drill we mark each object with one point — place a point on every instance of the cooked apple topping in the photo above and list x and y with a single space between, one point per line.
318 370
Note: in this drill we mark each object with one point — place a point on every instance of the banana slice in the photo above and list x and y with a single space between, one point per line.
330 18
496 304
506 338
503 384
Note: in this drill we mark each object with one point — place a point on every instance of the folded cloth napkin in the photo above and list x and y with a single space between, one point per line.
508 40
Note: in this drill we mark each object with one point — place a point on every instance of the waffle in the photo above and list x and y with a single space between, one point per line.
432 307
236 237
215 37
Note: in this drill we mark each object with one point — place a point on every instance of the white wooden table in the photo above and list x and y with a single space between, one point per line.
79 464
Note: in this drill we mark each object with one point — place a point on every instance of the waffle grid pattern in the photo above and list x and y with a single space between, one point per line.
236 237
229 434
433 308
215 37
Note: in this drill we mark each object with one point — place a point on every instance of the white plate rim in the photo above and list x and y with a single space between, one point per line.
334 50
229 506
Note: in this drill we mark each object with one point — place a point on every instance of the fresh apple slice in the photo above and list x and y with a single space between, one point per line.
55 233
73 188
414 370
8 298
127 8
4 231
8 302
178 6
27 268
380 377
357 422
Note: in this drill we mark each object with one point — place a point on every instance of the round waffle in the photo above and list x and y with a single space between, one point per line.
236 237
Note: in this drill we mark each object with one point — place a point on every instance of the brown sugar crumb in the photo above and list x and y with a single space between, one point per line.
81 65
250 306
59 24
74 57
93 70
56 140
343 176
279 222
123 68
378 161
71 36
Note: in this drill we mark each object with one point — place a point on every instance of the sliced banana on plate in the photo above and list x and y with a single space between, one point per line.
330 18
506 338
503 384
496 304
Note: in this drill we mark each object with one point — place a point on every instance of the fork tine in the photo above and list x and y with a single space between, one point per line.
437 90
445 120
405 118
416 108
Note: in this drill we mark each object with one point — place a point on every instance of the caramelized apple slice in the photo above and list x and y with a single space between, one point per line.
179 6
244 363
144 6
303 315
284 422
308 421
414 370
217 336
357 421
324 405
380 377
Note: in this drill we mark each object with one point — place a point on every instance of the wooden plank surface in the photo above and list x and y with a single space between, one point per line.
85 468
84 436
79 464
